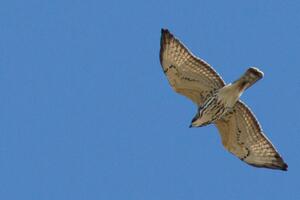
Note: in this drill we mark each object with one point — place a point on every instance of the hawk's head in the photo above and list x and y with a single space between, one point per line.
194 122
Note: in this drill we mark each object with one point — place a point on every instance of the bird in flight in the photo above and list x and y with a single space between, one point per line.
218 103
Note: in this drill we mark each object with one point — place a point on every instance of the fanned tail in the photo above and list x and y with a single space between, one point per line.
251 76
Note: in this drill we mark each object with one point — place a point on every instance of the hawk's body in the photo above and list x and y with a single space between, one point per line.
224 99
219 103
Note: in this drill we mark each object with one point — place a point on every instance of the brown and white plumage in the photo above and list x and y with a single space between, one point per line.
242 135
219 103
187 74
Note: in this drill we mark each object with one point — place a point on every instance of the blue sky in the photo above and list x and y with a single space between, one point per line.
87 113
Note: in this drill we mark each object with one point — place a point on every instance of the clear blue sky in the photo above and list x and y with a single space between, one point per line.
87 113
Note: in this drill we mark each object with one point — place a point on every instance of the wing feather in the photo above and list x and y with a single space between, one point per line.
187 74
243 136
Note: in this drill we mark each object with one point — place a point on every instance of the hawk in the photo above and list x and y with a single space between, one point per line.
218 103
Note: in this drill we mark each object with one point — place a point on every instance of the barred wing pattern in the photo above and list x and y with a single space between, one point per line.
187 74
242 135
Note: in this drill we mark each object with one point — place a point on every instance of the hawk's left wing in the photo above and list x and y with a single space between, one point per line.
242 135
187 74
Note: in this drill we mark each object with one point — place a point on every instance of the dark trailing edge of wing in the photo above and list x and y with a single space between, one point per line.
279 163
164 34
282 167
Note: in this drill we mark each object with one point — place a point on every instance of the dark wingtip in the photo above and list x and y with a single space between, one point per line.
277 164
165 37
280 163
284 167
162 44
165 34
164 31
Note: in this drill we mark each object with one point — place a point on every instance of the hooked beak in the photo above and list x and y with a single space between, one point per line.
191 126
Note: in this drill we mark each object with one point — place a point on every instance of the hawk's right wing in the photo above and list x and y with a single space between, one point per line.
242 135
187 74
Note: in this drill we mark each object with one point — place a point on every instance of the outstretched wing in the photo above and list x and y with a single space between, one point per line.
187 74
242 135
